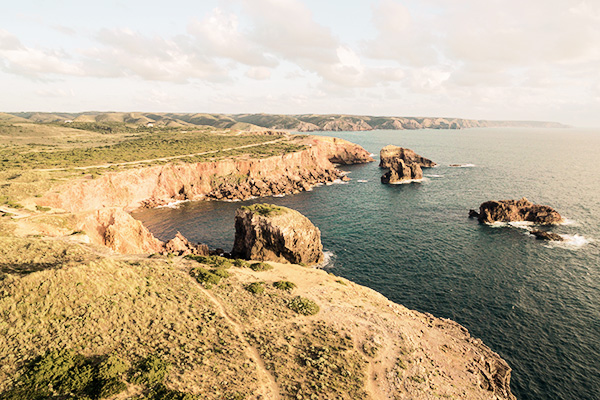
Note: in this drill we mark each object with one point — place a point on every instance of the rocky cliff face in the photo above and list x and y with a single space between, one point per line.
271 233
390 152
404 164
516 211
400 172
226 179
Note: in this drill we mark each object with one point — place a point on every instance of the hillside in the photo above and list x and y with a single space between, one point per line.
299 123
230 340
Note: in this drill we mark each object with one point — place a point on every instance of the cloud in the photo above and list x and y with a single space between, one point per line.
34 63
218 35
259 73
127 53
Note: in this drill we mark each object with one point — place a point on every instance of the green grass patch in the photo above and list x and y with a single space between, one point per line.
266 210
303 306
284 285
255 287
260 266
211 261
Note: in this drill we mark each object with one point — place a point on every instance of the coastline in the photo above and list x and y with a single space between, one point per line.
473 364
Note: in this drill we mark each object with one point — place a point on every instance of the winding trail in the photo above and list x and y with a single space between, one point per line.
269 387
246 146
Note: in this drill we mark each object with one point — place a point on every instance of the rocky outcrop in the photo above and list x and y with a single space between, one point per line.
404 164
391 152
229 179
402 172
516 211
544 235
271 233
117 230
182 247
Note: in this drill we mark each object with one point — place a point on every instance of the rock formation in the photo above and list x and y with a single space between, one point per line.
550 236
271 233
400 171
404 164
182 247
515 211
390 152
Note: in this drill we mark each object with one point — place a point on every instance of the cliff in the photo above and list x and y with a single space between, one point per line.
271 233
521 210
227 179
401 172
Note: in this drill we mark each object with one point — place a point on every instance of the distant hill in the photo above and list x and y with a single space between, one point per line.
298 123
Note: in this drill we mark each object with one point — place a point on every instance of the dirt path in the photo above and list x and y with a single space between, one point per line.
246 146
269 386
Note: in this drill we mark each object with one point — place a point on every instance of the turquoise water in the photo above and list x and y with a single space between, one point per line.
537 305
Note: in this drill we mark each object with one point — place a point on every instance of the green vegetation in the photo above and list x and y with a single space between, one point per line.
260 266
65 374
238 262
284 285
303 306
209 277
266 210
8 202
211 261
147 147
255 287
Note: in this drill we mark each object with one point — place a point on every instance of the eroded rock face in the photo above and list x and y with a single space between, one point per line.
400 171
516 211
391 152
271 233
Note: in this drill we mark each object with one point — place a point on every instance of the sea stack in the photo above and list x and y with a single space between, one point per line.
404 164
267 232
521 210
391 152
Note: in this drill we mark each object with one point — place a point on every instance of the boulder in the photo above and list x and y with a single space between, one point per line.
391 152
551 236
181 246
266 232
400 171
515 211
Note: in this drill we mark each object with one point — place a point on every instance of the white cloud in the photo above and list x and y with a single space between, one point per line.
259 73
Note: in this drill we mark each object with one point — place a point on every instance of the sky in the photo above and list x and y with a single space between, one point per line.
493 59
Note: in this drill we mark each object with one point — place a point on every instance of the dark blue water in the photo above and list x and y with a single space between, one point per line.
537 305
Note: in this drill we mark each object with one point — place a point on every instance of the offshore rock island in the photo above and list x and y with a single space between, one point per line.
521 210
90 308
404 164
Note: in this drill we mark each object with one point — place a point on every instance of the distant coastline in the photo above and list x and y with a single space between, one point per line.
257 122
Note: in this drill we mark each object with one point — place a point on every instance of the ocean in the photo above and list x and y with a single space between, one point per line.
535 303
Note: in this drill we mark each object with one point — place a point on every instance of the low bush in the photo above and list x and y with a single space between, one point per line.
260 266
255 287
212 261
206 277
150 371
284 285
303 306
239 263
266 210
65 374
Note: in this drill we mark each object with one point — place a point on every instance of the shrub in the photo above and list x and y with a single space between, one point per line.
239 263
260 266
161 392
213 261
205 277
303 306
255 287
150 371
40 208
65 374
284 285
220 272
